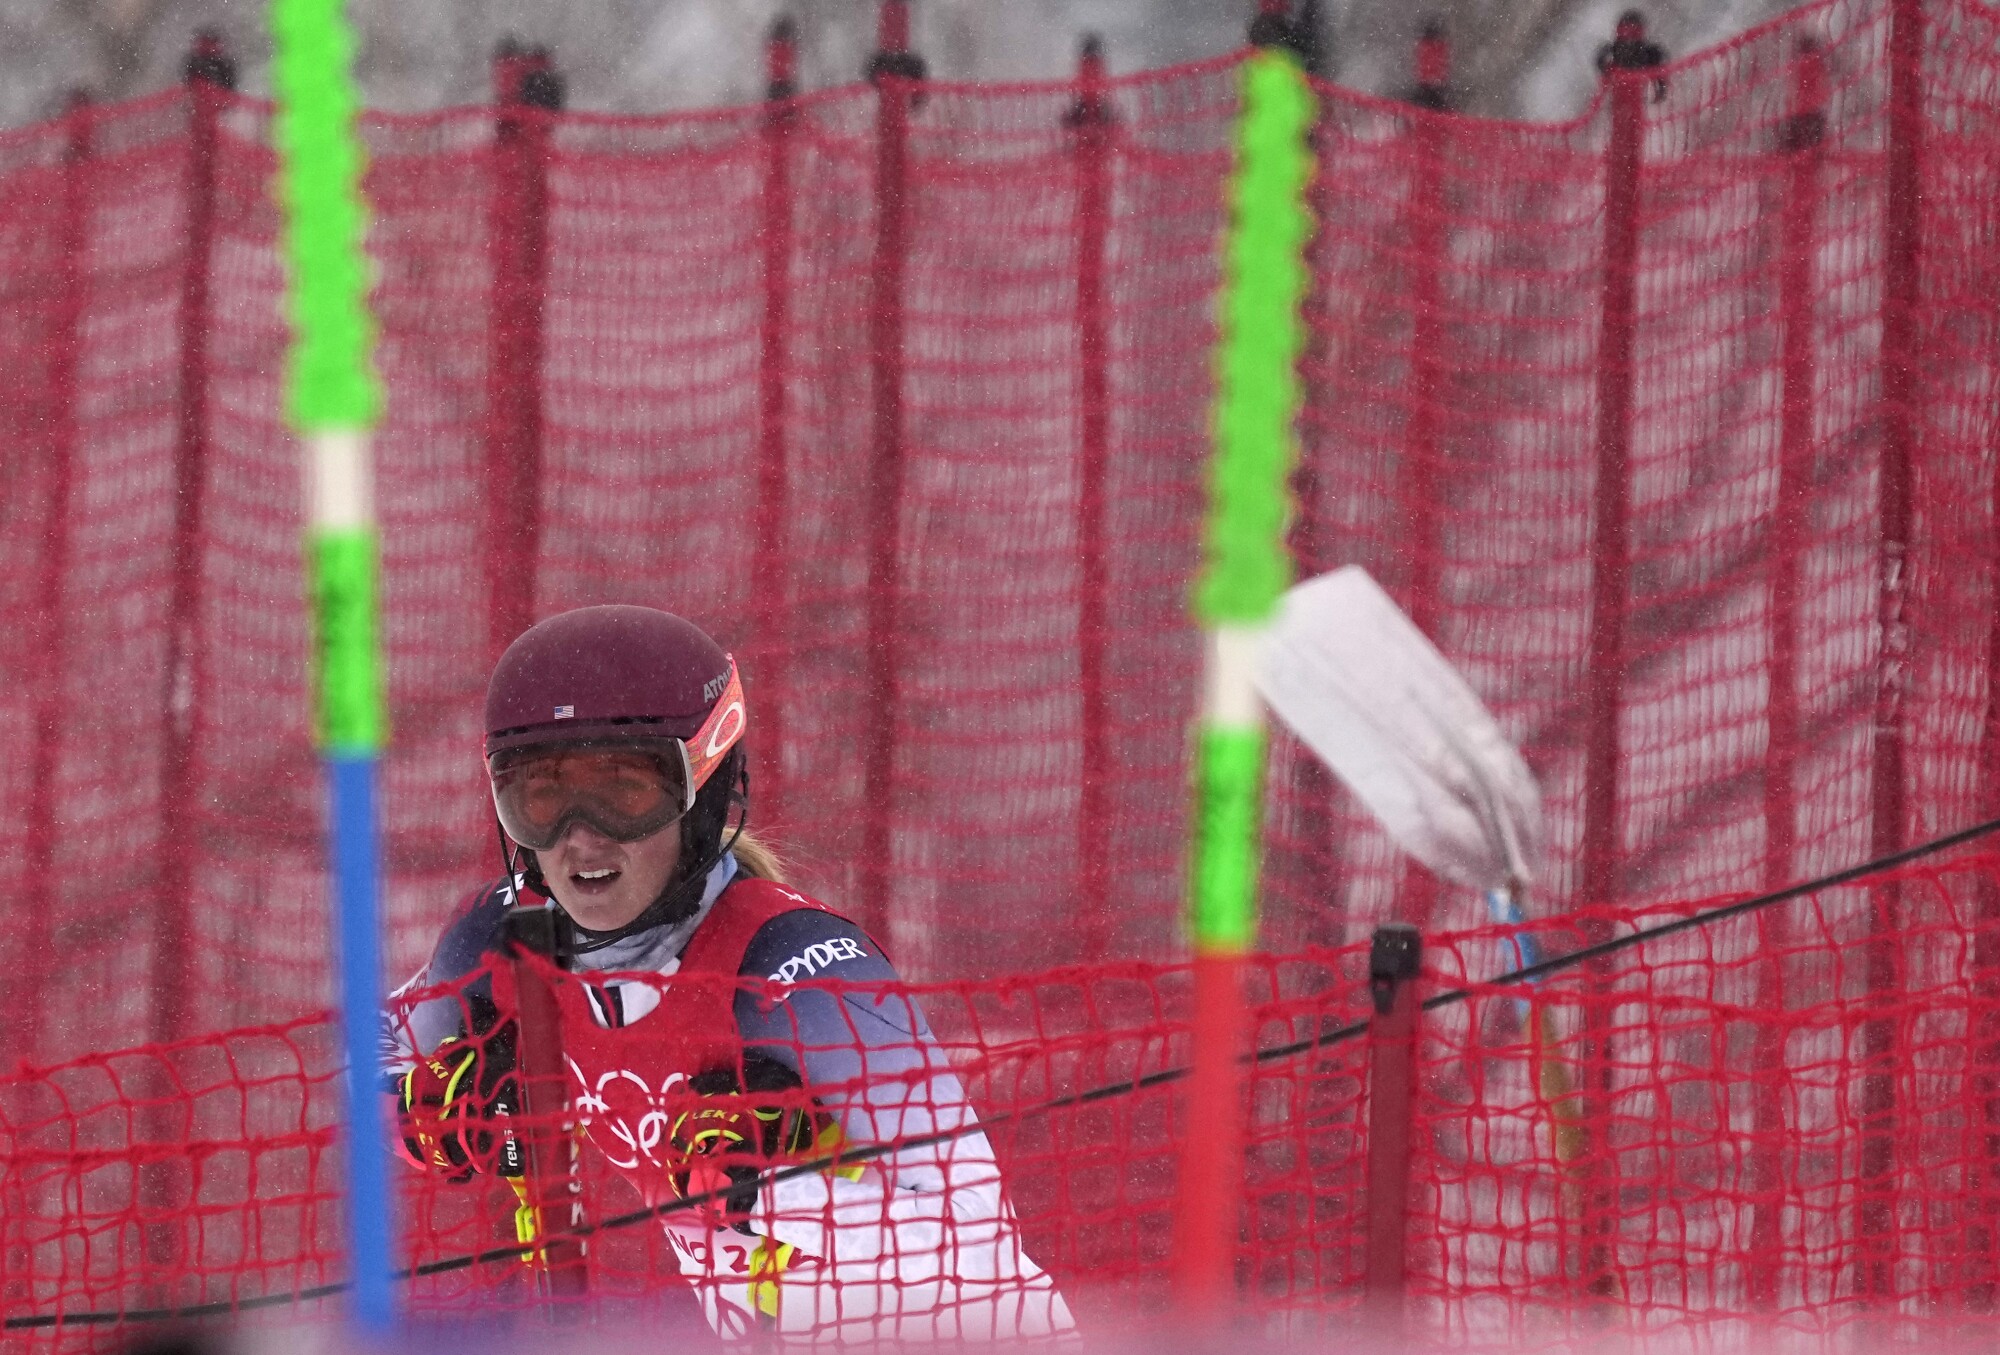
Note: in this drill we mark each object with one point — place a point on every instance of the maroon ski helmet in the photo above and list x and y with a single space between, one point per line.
607 672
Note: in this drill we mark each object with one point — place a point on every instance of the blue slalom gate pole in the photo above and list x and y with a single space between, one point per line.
356 852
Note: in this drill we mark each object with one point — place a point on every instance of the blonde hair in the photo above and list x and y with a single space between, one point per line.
757 859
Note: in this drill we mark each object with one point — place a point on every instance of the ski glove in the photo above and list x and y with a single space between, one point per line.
730 1131
454 1106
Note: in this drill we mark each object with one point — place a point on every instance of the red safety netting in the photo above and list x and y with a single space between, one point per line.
1674 425
1788 1122
911 411
1728 680
1766 1138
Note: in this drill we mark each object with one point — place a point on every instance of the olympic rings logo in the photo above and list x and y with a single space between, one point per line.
633 1141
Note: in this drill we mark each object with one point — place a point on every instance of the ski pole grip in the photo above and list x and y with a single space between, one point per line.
540 931
539 928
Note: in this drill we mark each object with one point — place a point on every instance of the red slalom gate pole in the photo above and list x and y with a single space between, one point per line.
1802 144
1878 1233
1090 122
61 427
1211 1194
896 73
529 92
210 76
1394 958
773 577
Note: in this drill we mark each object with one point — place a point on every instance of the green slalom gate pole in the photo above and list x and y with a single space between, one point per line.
332 399
1246 568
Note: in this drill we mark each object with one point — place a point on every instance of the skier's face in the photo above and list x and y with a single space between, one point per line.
603 884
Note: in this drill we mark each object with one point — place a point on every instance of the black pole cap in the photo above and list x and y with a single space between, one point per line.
781 58
542 85
893 55
1272 25
1630 49
1310 39
541 929
1089 108
1395 954
209 62
526 75
1433 87
1806 127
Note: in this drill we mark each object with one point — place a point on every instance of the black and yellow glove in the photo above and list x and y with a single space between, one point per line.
455 1106
730 1130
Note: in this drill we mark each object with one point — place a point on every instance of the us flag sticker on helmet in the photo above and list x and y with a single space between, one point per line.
565 712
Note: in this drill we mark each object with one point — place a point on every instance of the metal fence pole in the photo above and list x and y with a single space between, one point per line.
61 428
528 91
1090 122
1424 472
897 74
1878 1232
1624 64
1802 143
1314 795
1394 959
772 578
210 76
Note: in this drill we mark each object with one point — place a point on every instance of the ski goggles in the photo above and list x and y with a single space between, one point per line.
625 788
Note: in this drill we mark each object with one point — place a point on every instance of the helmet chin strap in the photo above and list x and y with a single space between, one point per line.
676 903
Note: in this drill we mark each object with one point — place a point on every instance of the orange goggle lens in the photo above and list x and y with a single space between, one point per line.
626 793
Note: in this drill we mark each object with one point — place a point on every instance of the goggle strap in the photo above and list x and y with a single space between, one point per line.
718 733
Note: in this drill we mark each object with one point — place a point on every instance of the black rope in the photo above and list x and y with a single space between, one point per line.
1165 1077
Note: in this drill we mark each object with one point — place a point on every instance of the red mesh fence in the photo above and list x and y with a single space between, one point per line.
1674 426
1690 650
905 397
1765 1139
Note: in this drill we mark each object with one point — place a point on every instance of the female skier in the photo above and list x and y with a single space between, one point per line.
614 748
